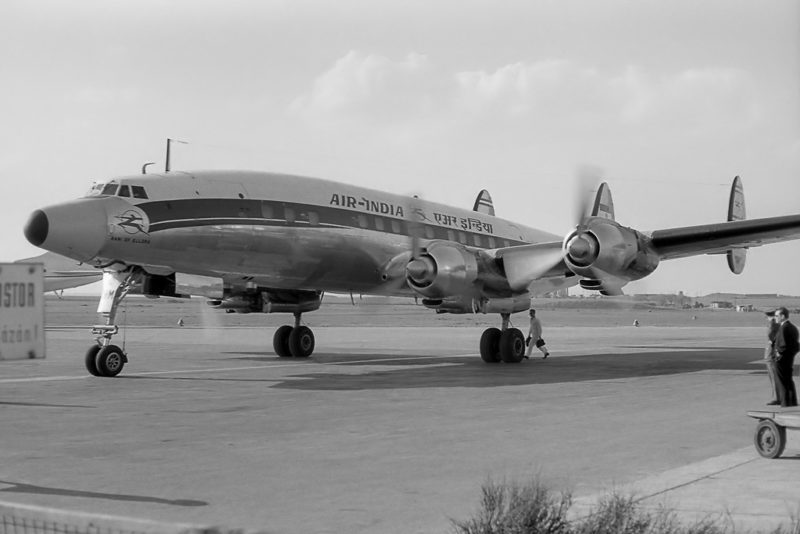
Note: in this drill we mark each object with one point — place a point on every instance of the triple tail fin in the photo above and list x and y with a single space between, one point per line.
736 212
483 203
603 205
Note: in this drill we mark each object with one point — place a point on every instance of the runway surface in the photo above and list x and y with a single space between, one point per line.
384 429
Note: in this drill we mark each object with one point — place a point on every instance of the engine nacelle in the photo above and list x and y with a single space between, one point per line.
514 304
443 269
272 301
605 249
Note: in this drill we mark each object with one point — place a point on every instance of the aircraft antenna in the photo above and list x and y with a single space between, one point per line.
144 167
169 143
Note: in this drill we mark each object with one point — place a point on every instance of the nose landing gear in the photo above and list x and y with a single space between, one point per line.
105 359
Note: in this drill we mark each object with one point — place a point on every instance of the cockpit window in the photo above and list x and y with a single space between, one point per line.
124 191
138 191
109 189
95 190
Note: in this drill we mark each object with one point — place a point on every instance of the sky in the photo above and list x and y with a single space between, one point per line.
440 98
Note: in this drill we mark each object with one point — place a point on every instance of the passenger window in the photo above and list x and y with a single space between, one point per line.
362 220
451 235
379 224
313 218
491 242
124 191
288 214
266 211
109 189
138 191
462 238
477 240
396 226
429 232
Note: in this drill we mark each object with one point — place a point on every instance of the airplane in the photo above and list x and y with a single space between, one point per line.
62 273
278 242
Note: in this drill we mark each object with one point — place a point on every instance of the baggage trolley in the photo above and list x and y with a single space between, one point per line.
770 436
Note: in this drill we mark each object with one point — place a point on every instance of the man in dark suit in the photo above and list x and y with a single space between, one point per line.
786 347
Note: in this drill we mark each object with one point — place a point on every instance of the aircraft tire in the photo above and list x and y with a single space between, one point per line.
280 341
110 360
512 346
490 345
301 342
91 360
770 439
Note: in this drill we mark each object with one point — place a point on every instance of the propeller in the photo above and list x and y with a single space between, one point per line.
410 263
587 181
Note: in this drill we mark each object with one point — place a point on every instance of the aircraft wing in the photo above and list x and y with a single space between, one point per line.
63 273
720 237
525 264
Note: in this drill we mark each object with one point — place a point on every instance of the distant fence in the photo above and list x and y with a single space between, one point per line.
29 519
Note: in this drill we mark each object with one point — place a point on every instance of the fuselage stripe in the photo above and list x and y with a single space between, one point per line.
172 214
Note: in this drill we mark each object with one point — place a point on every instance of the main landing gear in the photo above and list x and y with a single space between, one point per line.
502 344
293 341
103 358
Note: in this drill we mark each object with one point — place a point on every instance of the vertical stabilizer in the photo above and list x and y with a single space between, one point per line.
603 203
483 203
736 212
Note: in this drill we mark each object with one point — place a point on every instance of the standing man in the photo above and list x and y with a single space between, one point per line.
769 356
535 337
786 347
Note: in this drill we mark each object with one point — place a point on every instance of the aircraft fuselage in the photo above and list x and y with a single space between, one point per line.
278 230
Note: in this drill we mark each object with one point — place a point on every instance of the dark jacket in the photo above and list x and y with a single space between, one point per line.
786 342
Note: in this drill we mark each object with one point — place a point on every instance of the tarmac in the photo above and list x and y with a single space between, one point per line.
390 429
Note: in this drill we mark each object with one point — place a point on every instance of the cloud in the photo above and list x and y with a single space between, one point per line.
360 85
549 95
568 93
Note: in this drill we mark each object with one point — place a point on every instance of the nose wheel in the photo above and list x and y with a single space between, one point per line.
103 358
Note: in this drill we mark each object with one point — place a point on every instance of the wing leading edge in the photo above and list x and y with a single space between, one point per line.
720 237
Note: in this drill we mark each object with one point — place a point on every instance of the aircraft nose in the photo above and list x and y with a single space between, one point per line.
37 227
74 229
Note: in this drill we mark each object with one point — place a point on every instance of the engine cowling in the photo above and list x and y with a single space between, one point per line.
458 304
443 269
269 301
603 249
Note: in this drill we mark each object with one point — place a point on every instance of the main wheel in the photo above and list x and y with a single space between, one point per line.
512 346
301 342
770 439
280 341
91 360
110 360
490 345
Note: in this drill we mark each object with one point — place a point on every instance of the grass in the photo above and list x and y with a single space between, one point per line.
534 508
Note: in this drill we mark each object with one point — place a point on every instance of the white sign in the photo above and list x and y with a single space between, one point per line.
21 311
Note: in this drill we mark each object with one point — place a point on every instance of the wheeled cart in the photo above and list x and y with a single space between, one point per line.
770 436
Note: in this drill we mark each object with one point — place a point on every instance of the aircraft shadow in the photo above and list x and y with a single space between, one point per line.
473 372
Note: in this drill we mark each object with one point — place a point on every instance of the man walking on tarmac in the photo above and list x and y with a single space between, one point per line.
535 337
786 347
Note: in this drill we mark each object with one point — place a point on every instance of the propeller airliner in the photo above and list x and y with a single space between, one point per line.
277 242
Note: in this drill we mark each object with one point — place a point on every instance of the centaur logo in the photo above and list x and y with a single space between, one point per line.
133 222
